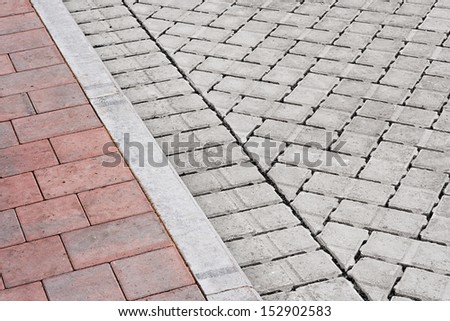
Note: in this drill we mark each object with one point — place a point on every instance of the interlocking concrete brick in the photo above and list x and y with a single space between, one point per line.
273 110
147 76
120 65
222 178
114 240
96 283
141 275
427 99
396 249
338 289
433 160
437 230
247 70
342 103
354 189
292 271
343 242
204 81
182 122
170 106
8 136
312 89
55 123
100 14
117 37
376 278
187 293
395 113
322 160
307 48
242 125
288 179
238 199
229 22
329 119
256 221
18 190
27 292
423 285
264 56
11 231
400 78
33 261
314 209
379 218
376 58
159 90
253 88
293 133
113 202
263 248
51 217
126 49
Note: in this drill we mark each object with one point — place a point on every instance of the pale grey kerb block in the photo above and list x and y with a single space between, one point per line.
207 256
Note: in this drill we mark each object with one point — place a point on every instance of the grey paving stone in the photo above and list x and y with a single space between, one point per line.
222 178
314 209
343 242
379 218
238 199
264 150
338 289
288 179
376 278
256 221
424 285
396 249
253 88
170 106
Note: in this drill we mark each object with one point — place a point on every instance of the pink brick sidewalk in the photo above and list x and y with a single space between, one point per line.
70 228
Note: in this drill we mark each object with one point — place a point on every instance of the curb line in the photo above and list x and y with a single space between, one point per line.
211 263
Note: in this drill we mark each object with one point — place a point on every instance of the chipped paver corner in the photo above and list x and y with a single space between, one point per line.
213 266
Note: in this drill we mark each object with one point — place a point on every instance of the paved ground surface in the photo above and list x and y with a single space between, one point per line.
368 80
70 228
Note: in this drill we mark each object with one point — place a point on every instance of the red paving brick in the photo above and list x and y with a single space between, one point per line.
11 233
20 22
114 240
58 97
151 273
96 283
34 79
80 176
28 292
15 107
6 66
33 261
7 134
51 217
55 123
51 149
26 157
24 40
77 146
114 202
18 190
36 58
11 7
188 293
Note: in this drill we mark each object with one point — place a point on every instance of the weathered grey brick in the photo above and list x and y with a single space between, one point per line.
158 90
353 40
246 38
223 102
396 249
400 78
277 43
126 49
264 56
314 209
379 218
117 37
222 178
329 118
375 278
203 81
172 43
437 230
376 58
208 158
274 110
343 242
170 106
256 221
120 65
238 199
326 161
424 285
229 22
187 61
343 103
182 122
265 247
295 270
198 139
147 76
288 179
433 160
264 151
252 88
116 24
338 289
307 49
247 70
351 188
242 125
228 51
427 99
293 133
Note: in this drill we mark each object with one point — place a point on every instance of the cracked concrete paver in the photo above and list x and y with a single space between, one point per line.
368 80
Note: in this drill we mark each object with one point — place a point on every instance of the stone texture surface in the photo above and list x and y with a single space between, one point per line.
338 115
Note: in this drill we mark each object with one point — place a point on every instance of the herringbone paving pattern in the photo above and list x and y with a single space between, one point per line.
367 81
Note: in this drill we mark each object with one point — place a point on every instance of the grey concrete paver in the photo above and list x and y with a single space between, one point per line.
364 81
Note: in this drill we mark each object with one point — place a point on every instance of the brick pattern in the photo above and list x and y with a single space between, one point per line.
352 94
71 227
